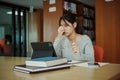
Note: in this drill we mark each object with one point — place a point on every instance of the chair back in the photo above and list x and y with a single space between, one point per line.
2 42
98 53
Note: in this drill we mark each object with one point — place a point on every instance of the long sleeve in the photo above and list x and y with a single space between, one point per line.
63 48
86 53
57 46
89 52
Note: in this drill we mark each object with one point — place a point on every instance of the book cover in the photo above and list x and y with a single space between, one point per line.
32 69
45 61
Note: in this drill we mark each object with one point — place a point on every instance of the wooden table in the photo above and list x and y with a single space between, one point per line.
106 72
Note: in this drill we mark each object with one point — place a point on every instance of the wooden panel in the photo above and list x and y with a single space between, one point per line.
51 26
38 18
107 26
117 24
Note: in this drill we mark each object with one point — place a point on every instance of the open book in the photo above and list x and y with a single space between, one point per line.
87 64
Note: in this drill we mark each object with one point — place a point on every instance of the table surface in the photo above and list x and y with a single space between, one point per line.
106 72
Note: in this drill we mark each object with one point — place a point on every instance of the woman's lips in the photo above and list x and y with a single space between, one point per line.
63 33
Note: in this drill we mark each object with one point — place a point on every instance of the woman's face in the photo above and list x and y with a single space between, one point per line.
69 28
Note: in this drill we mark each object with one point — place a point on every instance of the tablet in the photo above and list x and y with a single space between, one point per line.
42 49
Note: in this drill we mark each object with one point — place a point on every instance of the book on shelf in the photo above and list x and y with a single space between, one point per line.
46 61
69 6
32 69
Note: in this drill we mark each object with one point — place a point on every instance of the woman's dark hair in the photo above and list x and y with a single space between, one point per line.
71 18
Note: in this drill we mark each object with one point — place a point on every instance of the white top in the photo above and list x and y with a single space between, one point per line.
64 46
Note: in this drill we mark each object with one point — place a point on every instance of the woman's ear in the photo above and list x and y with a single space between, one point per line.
75 24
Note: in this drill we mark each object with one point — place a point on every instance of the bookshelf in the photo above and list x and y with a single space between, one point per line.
85 16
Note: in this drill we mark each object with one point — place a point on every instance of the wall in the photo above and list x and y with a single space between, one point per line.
35 28
51 26
107 29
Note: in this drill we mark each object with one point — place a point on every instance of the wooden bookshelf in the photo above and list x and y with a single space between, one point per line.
85 15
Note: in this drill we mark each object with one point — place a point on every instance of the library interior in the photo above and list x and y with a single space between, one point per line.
25 21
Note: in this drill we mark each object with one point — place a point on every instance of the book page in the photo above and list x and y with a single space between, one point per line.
87 64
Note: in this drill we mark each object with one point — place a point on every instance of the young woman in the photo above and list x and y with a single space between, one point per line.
70 42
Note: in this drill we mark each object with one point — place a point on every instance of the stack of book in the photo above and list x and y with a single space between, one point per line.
42 64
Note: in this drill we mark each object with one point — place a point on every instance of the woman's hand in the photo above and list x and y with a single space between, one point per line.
60 31
75 48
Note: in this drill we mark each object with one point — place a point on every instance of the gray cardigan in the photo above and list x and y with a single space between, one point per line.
63 47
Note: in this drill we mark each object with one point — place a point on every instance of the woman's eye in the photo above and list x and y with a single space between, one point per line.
66 25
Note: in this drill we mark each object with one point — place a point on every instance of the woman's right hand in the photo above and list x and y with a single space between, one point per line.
60 31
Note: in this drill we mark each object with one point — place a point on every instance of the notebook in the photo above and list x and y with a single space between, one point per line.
31 69
42 49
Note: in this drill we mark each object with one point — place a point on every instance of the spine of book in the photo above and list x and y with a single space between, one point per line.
23 71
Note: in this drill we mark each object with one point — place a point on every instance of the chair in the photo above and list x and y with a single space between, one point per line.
98 53
2 43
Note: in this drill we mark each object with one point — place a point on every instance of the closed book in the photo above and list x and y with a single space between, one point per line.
46 61
32 69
